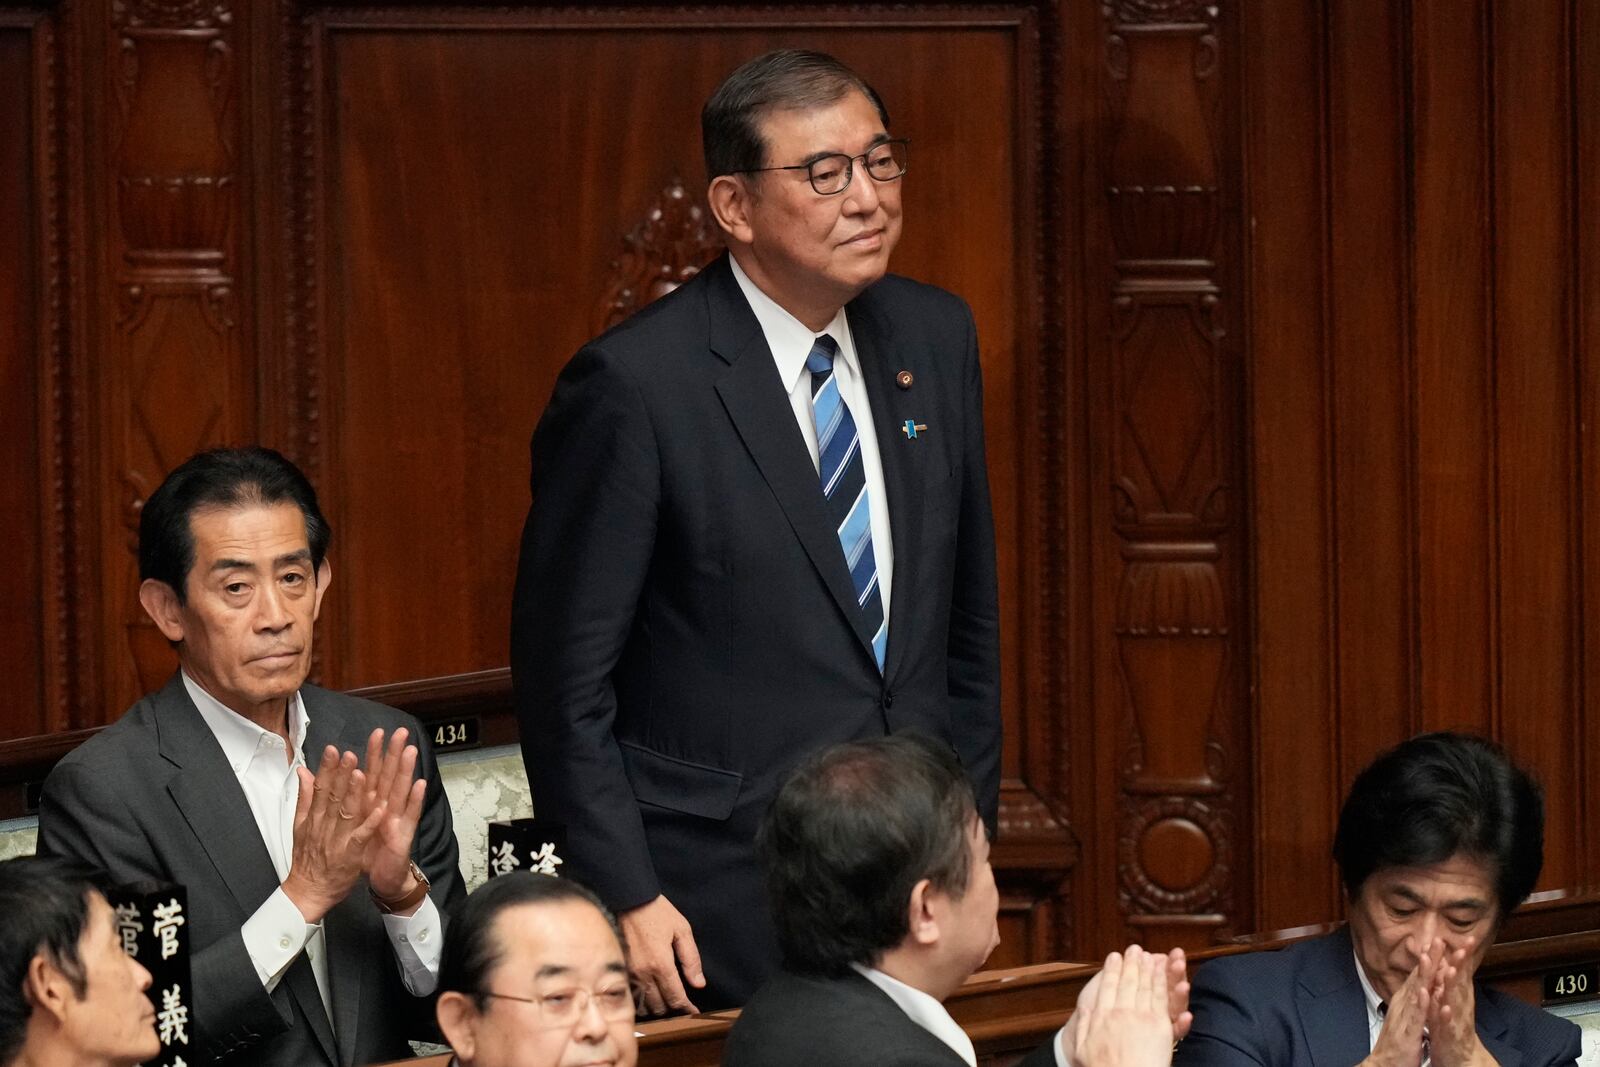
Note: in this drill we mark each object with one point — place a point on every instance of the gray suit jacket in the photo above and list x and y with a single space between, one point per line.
152 797
1303 1007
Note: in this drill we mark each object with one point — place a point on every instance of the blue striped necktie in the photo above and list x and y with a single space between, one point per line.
844 485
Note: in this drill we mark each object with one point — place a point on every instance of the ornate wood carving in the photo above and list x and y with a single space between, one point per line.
1172 458
171 141
675 239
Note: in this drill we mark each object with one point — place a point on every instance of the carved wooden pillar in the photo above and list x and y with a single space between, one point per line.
674 241
1172 455
176 377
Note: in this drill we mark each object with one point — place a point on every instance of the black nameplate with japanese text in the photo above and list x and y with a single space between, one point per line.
526 845
451 734
1581 981
152 919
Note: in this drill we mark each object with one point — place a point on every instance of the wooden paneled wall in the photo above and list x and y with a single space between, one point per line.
1288 311
1422 390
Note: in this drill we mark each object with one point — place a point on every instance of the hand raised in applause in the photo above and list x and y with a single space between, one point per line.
1178 994
659 939
332 829
1123 1018
392 790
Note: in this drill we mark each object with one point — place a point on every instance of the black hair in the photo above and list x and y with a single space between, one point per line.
46 907
1436 796
851 832
789 79
471 954
220 478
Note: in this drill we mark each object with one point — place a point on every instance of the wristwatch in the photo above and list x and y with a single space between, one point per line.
410 900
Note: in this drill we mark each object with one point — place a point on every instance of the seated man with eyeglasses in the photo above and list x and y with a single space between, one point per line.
535 974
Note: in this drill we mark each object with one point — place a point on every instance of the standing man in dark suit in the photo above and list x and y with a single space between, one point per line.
313 898
1439 840
760 525
877 867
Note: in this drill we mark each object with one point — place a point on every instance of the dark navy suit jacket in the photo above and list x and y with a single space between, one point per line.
685 628
1303 1005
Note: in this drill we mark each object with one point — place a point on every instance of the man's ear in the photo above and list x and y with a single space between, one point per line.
922 914
160 602
457 1016
324 579
46 988
730 198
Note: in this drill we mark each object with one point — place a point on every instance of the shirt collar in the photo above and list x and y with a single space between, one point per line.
790 339
239 737
1374 1002
923 1010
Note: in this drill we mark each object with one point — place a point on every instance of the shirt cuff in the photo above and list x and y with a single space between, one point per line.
417 943
1058 1043
275 936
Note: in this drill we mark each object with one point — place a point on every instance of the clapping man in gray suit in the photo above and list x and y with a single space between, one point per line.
314 895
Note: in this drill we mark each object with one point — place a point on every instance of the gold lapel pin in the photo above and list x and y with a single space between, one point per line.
903 379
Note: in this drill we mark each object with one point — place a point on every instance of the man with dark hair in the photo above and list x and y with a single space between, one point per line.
878 873
536 975
760 525
311 894
69 994
1439 840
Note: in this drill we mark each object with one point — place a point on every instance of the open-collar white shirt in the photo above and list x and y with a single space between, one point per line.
790 341
277 933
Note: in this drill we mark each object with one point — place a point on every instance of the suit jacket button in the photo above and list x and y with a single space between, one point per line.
888 701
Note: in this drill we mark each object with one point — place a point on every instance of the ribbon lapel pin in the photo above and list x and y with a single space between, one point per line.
911 428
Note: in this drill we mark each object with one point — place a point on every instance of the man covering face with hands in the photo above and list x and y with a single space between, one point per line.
1439 840
310 828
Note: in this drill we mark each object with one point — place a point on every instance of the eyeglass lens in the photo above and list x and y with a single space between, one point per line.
886 162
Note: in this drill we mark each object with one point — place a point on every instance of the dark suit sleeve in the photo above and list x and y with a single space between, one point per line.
82 818
1043 1056
434 846
586 548
974 648
1524 1034
1226 1029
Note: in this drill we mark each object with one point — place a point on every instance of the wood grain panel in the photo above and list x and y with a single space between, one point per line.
1457 565
22 358
1295 712
1584 64
1535 436
1369 374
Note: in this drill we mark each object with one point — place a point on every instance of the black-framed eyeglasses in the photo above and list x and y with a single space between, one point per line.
830 175
564 1007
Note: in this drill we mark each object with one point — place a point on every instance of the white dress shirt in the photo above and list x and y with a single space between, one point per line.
1376 1009
277 932
790 341
925 1011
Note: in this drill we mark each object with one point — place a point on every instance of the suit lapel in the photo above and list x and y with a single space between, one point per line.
207 794
1491 1027
1333 1010
756 402
343 930
875 348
